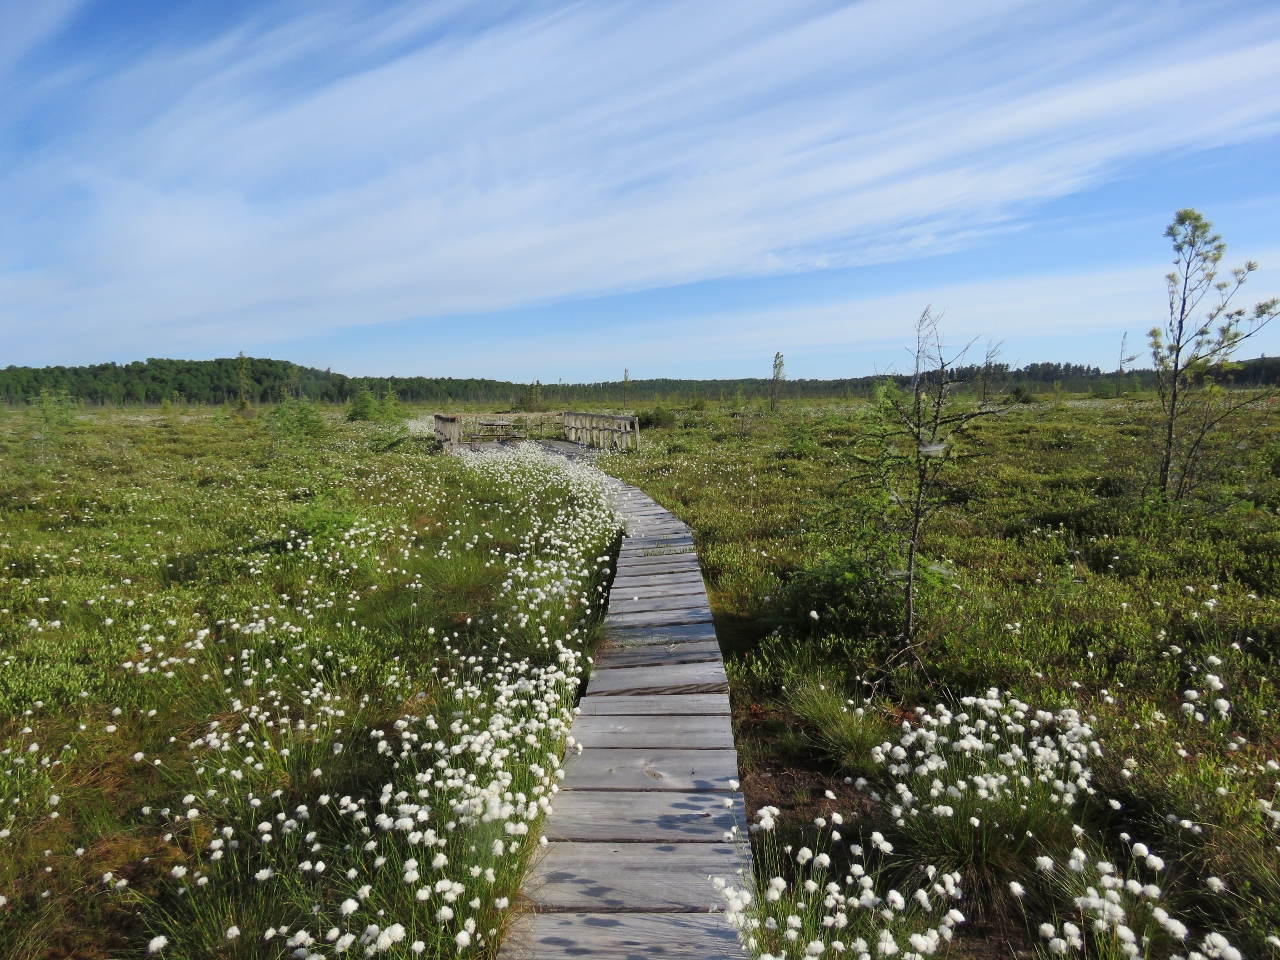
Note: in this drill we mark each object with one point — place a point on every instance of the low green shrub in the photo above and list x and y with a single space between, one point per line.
657 417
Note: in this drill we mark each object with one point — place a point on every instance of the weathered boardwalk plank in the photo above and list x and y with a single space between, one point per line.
659 618
684 705
648 816
650 540
707 732
632 604
657 654
631 877
644 636
647 566
621 936
684 592
652 769
659 576
675 678
650 588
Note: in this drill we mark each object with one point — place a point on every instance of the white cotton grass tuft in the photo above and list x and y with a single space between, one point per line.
285 698
823 913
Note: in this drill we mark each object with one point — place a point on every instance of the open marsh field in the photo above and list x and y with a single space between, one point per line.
283 686
1084 731
268 692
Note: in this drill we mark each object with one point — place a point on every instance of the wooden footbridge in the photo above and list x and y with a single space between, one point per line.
639 826
598 430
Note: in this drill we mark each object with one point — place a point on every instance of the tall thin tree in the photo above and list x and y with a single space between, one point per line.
775 386
243 401
1188 350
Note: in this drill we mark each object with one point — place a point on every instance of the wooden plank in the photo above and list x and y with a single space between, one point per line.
663 531
679 563
679 705
632 544
658 530
677 576
643 545
657 654
652 732
634 588
651 769
659 618
620 936
653 817
647 555
676 678
638 590
688 601
670 563
651 582
642 636
662 573
631 877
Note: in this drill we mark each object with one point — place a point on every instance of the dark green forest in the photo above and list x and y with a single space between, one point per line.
267 381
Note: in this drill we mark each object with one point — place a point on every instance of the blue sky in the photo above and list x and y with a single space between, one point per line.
562 190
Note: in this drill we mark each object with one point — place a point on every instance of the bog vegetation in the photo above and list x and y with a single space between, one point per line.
278 685
1081 732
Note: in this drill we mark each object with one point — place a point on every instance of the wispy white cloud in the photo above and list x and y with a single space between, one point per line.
1080 315
311 168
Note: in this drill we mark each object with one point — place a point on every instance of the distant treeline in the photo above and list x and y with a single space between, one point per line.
268 381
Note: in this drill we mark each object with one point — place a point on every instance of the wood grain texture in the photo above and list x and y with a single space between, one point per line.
679 575
676 678
656 551
654 521
652 769
632 877
680 705
633 588
653 731
682 601
658 591
650 817
659 618
620 936
646 566
642 636
656 655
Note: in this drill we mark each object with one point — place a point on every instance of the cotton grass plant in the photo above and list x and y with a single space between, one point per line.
803 903
334 732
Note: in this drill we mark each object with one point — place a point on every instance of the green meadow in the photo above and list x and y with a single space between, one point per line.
1053 578
279 684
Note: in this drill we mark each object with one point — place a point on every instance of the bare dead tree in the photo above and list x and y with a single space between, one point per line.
917 437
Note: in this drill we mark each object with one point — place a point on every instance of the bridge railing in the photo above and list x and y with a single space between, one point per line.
597 430
604 431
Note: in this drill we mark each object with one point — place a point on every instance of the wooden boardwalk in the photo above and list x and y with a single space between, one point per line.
638 828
